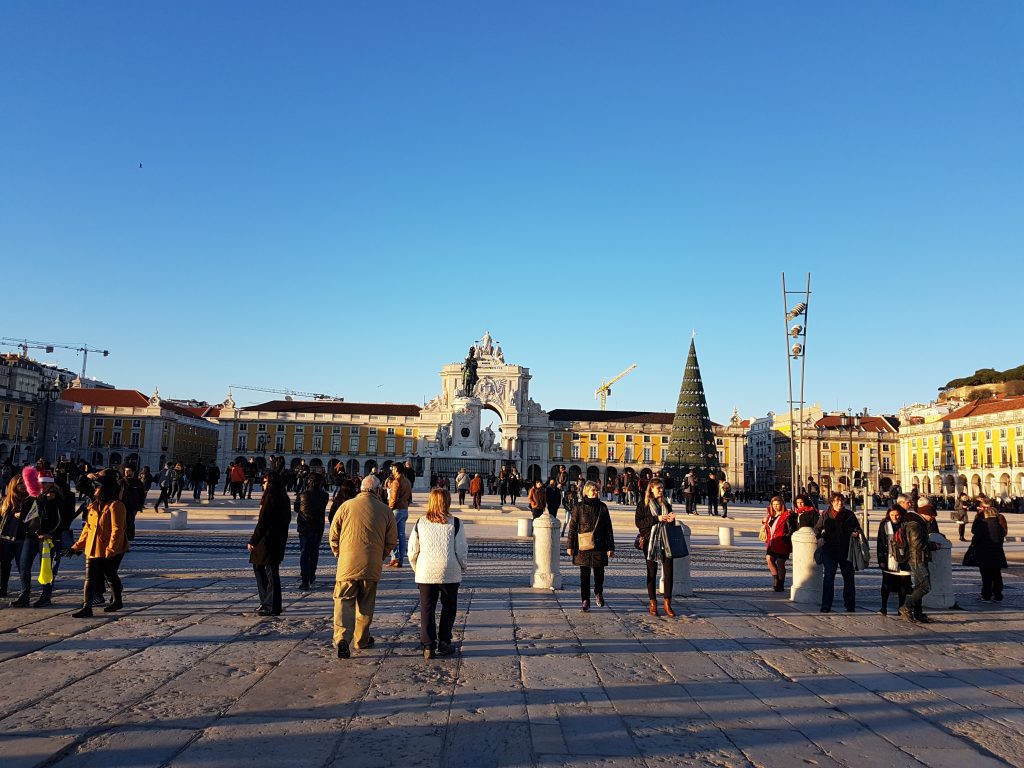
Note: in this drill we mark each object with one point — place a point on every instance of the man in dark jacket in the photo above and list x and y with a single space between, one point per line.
310 513
133 496
198 477
212 479
836 526
916 525
552 497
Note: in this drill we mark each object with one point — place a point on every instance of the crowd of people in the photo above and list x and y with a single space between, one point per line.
903 548
366 519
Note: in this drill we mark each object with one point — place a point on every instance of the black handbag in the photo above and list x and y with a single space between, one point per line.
971 556
639 543
674 541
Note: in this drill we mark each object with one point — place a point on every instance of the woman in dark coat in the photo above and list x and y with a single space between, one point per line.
655 509
591 516
891 551
987 534
266 546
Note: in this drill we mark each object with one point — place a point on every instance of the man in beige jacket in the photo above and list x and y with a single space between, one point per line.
363 532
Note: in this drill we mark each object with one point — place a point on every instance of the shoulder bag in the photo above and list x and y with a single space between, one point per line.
585 541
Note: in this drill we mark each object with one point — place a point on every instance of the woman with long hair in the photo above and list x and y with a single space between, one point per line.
438 554
778 544
104 542
590 542
537 498
13 510
892 554
654 510
266 546
346 490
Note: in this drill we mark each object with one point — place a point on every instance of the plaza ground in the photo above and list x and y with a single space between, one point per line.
186 675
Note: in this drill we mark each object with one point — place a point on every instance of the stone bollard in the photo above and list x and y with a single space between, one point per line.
524 528
682 586
179 519
547 572
806 573
940 569
725 536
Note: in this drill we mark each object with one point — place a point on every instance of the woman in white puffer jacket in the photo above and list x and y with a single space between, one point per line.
438 554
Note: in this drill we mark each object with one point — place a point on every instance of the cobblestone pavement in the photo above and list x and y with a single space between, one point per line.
187 676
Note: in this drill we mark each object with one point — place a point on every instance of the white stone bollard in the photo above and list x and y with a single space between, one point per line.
179 519
940 569
725 536
682 586
806 573
524 528
547 572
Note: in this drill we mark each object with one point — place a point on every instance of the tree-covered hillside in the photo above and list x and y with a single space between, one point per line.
987 376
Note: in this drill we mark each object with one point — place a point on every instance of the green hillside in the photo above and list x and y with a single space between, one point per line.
987 376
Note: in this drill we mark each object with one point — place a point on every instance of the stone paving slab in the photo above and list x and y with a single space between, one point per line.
186 675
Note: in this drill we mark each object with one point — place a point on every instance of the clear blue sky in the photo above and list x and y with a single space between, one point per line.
341 197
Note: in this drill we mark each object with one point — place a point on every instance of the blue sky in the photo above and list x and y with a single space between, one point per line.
341 197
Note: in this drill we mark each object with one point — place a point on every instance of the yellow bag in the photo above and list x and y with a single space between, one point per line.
45 565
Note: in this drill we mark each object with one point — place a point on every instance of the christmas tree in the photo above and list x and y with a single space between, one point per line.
692 444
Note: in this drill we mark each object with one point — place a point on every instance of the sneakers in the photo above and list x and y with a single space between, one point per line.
343 652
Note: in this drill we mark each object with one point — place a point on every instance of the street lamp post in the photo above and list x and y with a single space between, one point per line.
797 350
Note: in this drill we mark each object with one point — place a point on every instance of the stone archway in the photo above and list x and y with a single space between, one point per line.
975 485
574 473
926 488
1019 491
593 474
1004 485
369 467
352 467
533 473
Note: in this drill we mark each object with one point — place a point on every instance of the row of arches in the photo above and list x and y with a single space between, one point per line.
1002 485
15 454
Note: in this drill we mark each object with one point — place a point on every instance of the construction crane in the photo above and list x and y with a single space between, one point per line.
289 393
605 388
25 345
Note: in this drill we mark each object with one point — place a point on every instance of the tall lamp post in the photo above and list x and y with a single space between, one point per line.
47 393
796 353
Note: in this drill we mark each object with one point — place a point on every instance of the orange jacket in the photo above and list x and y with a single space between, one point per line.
476 485
237 474
104 533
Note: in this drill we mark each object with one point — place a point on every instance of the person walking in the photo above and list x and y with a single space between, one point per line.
476 490
726 498
537 498
399 500
20 513
959 514
212 479
177 481
778 544
104 543
988 531
514 486
56 513
712 491
690 492
552 497
569 502
236 479
310 517
462 485
655 510
267 544
892 555
438 554
133 496
197 476
835 528
166 478
363 532
590 542
503 486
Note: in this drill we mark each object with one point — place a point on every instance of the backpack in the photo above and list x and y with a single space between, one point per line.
898 546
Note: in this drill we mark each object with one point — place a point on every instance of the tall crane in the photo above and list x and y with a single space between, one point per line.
288 393
605 388
25 344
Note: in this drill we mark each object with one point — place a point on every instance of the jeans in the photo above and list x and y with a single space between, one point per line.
27 551
585 581
309 555
922 581
164 499
691 503
268 584
429 632
829 562
401 518
9 551
176 489
197 489
713 505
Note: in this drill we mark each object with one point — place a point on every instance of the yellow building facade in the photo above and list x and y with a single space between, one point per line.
977 448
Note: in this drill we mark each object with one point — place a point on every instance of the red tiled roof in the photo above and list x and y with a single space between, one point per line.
203 411
106 398
331 406
867 423
999 404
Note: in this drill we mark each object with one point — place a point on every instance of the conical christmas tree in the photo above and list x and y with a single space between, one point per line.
692 444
